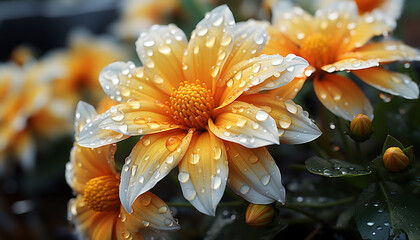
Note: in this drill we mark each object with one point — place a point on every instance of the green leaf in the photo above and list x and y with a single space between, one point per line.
409 152
334 168
390 141
385 211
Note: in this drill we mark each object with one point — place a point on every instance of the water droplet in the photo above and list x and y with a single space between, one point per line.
217 152
290 69
385 97
370 224
229 83
164 49
285 121
265 179
256 68
141 179
117 116
172 143
227 39
201 32
149 43
253 159
183 177
216 181
146 142
145 199
210 41
170 159
146 223
190 194
244 189
241 122
332 125
261 115
290 106
133 104
168 222
163 209
195 158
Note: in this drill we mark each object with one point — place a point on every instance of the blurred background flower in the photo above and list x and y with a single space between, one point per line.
51 55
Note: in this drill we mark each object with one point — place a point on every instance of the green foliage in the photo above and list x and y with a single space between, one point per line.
335 168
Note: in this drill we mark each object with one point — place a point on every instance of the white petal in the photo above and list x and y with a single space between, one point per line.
84 114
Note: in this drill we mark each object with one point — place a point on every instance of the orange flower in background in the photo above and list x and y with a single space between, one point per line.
390 10
203 106
96 210
336 39
137 15
28 112
81 64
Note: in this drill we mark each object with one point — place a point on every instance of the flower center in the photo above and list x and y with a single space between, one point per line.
191 105
101 193
367 5
316 50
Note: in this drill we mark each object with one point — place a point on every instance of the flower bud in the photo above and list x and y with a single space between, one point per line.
395 160
258 215
361 126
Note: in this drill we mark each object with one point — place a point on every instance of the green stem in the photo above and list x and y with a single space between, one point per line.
344 140
360 154
298 167
301 210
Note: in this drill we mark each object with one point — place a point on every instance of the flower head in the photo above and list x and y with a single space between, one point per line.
97 210
336 39
201 106
259 215
395 159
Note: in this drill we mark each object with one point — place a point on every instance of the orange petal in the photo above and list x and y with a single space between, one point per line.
342 96
386 51
293 21
250 38
254 175
161 49
293 124
123 81
245 124
258 74
91 224
350 64
279 43
132 118
290 90
391 82
88 163
149 211
203 172
153 157
210 43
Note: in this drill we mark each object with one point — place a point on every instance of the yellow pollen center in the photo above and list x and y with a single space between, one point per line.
101 193
316 50
365 6
191 105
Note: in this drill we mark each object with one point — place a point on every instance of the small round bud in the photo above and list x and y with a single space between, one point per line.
395 160
258 215
361 126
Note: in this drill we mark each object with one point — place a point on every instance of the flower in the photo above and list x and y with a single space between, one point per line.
389 10
28 111
200 105
136 15
259 215
96 210
336 39
361 127
395 159
81 63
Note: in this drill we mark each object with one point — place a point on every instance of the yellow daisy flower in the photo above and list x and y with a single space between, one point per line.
336 39
203 106
96 210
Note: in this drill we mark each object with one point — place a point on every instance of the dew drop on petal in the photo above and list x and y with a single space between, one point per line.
195 158
146 142
145 199
253 159
146 223
216 181
244 189
285 121
265 179
290 106
117 116
190 194
172 143
163 209
183 177
169 159
261 115
241 122
217 152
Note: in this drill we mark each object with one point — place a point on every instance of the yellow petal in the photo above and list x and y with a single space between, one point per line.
386 51
293 21
88 163
153 157
161 49
149 211
350 64
254 175
245 124
290 90
212 39
132 118
203 172
250 38
391 82
91 224
279 43
293 123
258 74
342 96
123 81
